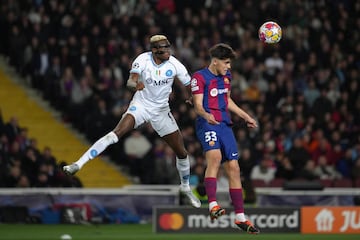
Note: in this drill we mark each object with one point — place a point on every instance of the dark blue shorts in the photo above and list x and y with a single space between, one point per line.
219 136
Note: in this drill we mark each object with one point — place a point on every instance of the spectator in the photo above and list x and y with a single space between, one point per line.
137 148
265 170
325 170
298 155
247 163
285 169
311 93
308 171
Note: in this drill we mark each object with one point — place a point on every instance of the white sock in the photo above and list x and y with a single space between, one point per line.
240 217
212 204
98 147
183 167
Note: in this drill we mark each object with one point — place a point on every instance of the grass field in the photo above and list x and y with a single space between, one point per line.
138 232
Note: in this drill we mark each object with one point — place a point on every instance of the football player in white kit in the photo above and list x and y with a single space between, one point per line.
152 76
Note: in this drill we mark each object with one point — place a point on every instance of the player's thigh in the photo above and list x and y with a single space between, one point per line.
138 111
228 144
207 135
163 122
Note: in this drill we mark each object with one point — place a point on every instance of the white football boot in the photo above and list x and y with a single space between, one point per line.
71 169
186 190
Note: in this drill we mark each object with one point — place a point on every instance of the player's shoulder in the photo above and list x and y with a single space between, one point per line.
175 61
200 73
144 56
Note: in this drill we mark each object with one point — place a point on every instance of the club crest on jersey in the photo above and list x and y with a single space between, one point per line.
168 73
226 80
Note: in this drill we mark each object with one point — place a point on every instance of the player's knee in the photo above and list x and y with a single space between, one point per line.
182 154
233 171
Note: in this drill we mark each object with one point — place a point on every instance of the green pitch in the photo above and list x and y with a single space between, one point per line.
137 232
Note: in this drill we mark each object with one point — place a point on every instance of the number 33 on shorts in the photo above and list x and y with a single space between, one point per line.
210 138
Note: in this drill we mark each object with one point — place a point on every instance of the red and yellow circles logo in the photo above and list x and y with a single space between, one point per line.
171 221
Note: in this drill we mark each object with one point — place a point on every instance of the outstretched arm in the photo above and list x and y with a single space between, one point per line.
250 122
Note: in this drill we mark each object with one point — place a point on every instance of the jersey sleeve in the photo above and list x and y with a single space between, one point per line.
138 64
181 72
197 83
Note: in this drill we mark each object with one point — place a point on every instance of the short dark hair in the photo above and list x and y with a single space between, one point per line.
222 51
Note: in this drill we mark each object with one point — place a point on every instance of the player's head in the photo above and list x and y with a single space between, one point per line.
221 55
160 47
222 51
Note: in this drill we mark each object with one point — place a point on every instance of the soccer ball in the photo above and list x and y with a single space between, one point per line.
270 32
65 237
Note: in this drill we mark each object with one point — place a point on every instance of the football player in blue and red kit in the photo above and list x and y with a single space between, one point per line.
213 104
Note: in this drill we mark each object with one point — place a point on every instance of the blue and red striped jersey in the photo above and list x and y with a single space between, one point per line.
215 90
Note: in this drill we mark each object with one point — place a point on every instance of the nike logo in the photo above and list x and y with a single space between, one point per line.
234 154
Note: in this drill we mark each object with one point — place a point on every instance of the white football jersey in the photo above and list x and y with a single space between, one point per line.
158 79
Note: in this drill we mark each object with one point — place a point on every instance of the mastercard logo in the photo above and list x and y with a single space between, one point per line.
171 221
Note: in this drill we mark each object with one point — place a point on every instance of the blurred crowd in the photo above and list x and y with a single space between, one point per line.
304 91
23 164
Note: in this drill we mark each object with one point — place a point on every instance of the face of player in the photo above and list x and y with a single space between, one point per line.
161 51
222 66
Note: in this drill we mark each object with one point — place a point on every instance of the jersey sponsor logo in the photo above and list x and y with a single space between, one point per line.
214 92
168 73
148 81
161 82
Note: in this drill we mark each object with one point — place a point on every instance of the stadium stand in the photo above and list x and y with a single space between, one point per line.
304 91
